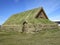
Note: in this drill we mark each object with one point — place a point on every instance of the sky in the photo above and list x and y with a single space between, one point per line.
10 7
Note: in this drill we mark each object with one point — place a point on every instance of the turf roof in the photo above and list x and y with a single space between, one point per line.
26 15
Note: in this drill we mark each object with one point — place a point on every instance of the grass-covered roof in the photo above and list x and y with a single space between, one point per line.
26 15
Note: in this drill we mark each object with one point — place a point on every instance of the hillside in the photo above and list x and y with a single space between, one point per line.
26 15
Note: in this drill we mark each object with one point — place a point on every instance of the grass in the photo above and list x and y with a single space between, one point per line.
45 37
20 17
29 15
40 21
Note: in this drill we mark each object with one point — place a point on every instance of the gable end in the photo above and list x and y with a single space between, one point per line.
41 14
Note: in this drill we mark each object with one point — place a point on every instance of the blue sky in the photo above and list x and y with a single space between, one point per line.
10 7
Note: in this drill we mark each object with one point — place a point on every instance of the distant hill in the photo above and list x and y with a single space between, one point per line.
57 22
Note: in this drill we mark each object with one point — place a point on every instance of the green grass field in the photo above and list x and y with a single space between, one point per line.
45 37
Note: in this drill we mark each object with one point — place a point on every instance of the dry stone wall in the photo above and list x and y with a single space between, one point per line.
8 28
29 28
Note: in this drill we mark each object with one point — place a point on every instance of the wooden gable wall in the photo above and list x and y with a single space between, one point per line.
41 14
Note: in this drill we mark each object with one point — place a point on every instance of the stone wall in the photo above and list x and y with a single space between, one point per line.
8 28
29 28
